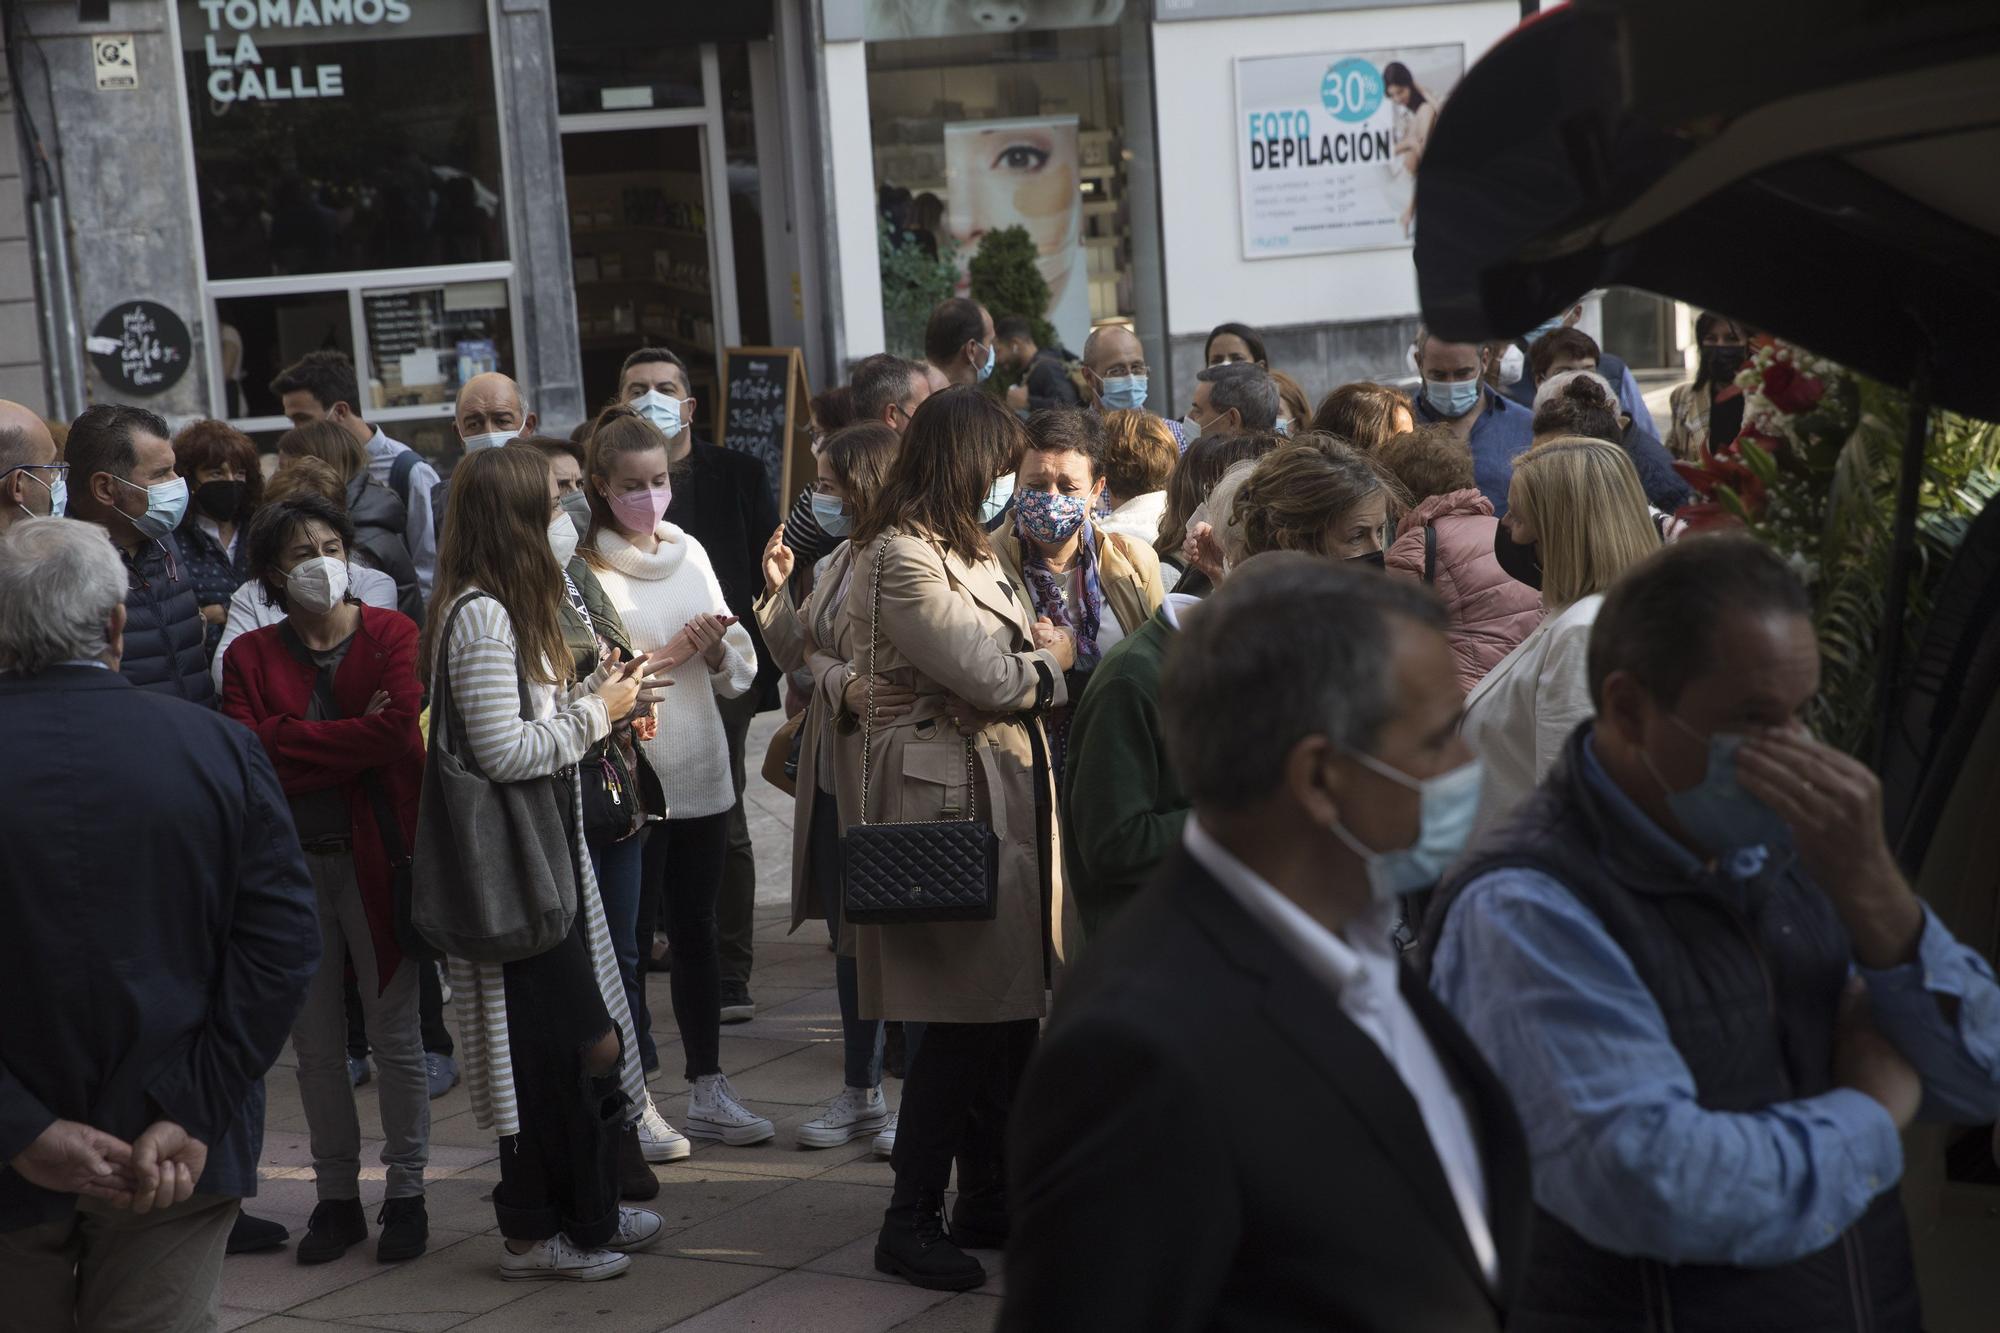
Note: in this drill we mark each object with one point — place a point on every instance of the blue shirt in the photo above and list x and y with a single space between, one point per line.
1502 432
1622 1151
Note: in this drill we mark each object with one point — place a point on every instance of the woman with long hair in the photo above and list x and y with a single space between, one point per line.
1698 413
1576 519
931 610
813 641
659 580
331 690
549 1052
1417 116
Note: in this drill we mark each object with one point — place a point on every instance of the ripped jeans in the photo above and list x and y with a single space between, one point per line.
560 1173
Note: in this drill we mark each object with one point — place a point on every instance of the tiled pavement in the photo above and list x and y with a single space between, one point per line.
765 1238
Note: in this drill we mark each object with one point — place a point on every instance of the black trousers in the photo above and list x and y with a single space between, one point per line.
430 1013
681 879
736 906
956 1101
560 1173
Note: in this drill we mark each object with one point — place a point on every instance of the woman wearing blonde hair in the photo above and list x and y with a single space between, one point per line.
1576 520
1139 457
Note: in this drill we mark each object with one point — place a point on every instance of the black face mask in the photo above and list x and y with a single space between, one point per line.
1521 560
221 500
1373 560
1720 364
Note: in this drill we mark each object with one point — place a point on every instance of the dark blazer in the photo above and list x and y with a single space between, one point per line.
160 927
1205 1141
724 501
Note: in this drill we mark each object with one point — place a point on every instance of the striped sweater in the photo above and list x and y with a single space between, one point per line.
482 658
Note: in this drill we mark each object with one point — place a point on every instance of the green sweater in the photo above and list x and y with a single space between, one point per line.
1122 808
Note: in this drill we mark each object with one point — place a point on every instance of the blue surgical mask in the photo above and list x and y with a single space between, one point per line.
992 356
492 439
1284 426
831 515
996 499
1448 806
166 505
1452 399
1190 428
663 410
1123 392
58 490
1716 812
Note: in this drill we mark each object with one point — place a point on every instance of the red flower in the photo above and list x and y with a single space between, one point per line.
1791 391
1708 477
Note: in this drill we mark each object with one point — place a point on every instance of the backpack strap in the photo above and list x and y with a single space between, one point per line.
399 475
1430 553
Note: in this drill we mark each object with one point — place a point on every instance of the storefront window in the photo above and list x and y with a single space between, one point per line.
424 343
335 135
622 58
1031 129
273 332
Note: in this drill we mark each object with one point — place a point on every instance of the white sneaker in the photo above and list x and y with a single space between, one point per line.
856 1111
637 1228
714 1113
885 1143
660 1141
557 1257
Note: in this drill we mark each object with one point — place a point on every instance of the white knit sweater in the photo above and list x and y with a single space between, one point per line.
657 594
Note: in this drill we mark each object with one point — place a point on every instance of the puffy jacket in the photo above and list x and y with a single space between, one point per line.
166 646
379 538
1490 612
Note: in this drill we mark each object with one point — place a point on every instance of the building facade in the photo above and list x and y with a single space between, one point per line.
440 187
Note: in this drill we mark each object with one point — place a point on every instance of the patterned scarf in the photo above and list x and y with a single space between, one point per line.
1045 590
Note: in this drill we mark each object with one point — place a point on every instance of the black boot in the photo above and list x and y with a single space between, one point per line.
250 1234
913 1246
979 1214
335 1225
635 1178
406 1229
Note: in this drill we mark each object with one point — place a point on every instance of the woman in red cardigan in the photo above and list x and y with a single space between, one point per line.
332 692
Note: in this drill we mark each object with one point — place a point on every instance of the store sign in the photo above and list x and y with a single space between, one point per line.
111 57
140 347
237 71
1329 146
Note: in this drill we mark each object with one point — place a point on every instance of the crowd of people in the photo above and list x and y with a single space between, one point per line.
1392 798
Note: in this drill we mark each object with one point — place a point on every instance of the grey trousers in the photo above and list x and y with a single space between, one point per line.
319 1037
736 905
113 1271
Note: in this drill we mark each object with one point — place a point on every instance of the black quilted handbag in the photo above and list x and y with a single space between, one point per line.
924 870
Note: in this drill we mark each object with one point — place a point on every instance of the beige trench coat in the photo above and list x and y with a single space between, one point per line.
952 627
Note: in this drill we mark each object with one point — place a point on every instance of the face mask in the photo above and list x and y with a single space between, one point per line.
1720 364
1521 561
1452 399
1049 517
577 505
1374 559
1447 806
995 503
220 500
1122 392
492 439
992 355
832 518
166 506
317 585
663 411
562 539
641 511
58 493
1284 426
1716 812
1511 362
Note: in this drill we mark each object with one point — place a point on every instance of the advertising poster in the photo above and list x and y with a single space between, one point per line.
892 20
1329 146
1023 173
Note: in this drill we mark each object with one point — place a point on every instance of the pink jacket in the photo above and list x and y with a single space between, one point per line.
1490 612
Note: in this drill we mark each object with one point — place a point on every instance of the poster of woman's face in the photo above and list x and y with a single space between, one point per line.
1023 173
889 20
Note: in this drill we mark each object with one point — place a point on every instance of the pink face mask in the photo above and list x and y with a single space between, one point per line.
641 511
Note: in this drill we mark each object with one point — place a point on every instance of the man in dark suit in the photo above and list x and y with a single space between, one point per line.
726 501
1247 1113
160 932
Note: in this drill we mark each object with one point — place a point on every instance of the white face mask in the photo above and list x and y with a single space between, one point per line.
317 585
492 439
562 538
1511 363
662 410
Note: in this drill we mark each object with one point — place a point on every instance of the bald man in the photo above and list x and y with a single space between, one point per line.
1114 364
490 412
31 480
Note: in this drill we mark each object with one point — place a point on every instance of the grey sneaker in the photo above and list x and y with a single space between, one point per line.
441 1073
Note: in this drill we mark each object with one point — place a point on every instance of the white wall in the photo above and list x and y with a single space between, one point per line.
853 163
1208 280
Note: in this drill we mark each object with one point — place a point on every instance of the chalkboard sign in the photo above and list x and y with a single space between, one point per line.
140 347
764 413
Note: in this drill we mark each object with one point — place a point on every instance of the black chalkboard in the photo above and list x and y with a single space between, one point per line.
141 347
764 408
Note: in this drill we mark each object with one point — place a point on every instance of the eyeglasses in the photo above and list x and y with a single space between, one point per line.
1113 372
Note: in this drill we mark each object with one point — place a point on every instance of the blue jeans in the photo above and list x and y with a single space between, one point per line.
617 868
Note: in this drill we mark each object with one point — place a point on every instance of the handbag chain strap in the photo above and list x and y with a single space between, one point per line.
868 718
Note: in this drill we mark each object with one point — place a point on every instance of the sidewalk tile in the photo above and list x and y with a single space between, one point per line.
787 1227
446 1287
277 1281
967 1312
798 1302
656 1293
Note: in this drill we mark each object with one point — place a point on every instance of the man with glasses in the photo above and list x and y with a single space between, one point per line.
32 481
1114 365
